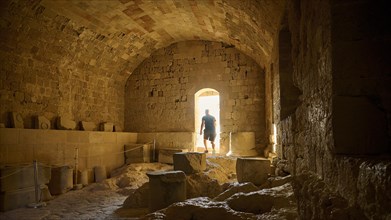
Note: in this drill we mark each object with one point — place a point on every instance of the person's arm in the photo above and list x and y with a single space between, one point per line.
202 126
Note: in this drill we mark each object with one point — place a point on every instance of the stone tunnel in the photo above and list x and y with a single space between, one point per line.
304 84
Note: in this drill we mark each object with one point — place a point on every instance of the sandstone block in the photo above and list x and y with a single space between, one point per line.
100 174
24 178
21 197
166 188
243 188
82 177
87 126
166 154
136 153
16 120
189 162
243 144
107 127
64 123
41 122
254 170
61 181
117 128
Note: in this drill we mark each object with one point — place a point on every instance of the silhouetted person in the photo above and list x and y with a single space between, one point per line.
210 130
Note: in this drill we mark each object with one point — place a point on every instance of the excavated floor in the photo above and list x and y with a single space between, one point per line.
106 200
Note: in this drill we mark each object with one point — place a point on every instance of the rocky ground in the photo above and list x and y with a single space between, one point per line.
213 194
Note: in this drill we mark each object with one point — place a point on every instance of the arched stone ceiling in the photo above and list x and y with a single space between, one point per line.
147 25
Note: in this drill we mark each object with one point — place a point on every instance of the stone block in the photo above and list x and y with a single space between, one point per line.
166 188
100 174
137 153
243 144
22 179
16 120
117 128
254 170
166 154
87 126
41 122
2 125
64 123
61 181
82 177
107 127
240 188
21 197
190 162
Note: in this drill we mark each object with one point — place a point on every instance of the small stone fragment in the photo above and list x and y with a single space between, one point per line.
16 120
107 127
87 126
64 123
41 122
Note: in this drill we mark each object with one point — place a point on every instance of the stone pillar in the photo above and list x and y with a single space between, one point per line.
190 162
252 169
166 188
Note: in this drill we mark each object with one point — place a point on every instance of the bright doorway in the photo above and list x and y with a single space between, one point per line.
207 99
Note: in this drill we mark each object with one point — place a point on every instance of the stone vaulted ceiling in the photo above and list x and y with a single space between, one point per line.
147 25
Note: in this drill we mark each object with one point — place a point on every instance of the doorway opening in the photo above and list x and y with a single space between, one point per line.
206 99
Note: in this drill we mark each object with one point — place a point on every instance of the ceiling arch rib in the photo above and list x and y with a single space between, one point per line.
145 26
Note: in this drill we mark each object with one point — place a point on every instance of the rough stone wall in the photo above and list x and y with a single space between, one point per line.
330 185
160 92
50 66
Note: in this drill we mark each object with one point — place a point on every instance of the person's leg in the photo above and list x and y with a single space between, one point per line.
213 144
205 141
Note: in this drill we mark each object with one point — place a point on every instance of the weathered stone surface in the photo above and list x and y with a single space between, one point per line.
166 188
82 177
166 155
100 174
24 178
190 162
240 188
107 127
61 180
16 120
64 123
137 153
254 170
21 197
2 125
139 198
41 122
243 144
118 128
87 126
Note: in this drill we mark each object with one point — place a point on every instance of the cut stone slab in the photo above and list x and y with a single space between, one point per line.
24 178
166 188
61 181
16 120
166 154
190 162
21 197
242 187
41 122
107 127
87 126
64 123
254 170
243 144
100 174
137 153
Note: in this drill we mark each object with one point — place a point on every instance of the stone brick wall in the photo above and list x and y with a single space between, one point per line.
330 182
50 66
160 92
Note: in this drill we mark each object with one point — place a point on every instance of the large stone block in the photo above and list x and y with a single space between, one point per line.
21 197
166 188
13 179
41 122
16 120
61 181
64 123
254 170
166 154
137 153
243 144
190 162
87 126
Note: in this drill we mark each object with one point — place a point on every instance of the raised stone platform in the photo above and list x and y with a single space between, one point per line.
166 188
252 169
190 162
166 154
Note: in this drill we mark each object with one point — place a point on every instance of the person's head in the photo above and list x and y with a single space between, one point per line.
206 111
